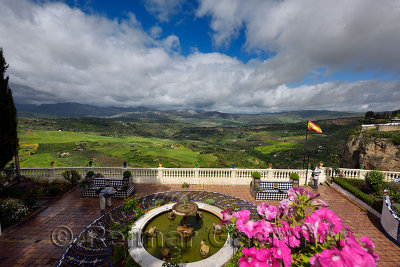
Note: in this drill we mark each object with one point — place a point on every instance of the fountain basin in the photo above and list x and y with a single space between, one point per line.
139 253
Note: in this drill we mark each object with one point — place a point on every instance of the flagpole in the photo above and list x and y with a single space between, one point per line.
305 149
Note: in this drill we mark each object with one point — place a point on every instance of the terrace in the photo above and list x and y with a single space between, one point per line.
30 243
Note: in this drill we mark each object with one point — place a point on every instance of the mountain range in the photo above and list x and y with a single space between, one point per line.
197 117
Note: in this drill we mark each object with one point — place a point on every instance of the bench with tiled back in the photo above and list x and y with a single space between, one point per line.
271 190
123 187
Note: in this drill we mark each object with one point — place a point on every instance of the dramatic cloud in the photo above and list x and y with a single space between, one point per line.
61 54
307 34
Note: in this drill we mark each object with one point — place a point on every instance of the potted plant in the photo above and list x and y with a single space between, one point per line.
294 177
127 174
90 174
270 165
52 164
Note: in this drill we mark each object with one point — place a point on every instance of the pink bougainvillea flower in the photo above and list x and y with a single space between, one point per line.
267 210
226 217
270 212
249 258
369 246
356 256
261 208
249 228
282 251
242 215
319 203
328 257
328 218
285 207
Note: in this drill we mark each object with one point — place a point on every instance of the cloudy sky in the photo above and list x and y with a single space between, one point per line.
225 55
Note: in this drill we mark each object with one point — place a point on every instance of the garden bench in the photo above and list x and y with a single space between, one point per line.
123 187
271 190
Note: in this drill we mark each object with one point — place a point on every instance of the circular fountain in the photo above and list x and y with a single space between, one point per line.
192 231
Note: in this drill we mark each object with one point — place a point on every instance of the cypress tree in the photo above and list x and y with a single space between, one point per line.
8 117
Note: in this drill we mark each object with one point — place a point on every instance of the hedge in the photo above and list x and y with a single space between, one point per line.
371 201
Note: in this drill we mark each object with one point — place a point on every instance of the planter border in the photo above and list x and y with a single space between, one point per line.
355 199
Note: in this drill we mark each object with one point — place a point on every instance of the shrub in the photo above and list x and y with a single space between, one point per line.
30 198
294 176
54 189
185 185
90 174
210 201
127 174
394 186
85 183
372 202
256 175
12 210
72 176
159 202
396 198
374 180
12 192
396 208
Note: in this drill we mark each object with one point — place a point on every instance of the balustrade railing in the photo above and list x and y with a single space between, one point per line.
199 175
359 174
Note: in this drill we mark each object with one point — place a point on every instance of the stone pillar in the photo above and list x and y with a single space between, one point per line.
52 174
322 175
196 176
233 177
160 175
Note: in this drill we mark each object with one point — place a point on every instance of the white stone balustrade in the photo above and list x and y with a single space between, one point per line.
199 175
360 174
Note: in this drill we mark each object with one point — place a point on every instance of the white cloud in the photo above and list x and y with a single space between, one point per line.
357 34
66 55
155 32
163 9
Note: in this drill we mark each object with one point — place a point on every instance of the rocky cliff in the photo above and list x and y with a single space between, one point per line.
375 152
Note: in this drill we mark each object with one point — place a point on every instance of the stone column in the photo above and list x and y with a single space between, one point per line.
160 175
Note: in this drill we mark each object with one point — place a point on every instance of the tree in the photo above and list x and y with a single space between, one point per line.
369 115
8 117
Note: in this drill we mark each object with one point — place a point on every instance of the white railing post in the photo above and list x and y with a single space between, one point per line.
160 175
233 177
52 174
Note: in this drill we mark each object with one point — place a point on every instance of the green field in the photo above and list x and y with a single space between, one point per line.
145 143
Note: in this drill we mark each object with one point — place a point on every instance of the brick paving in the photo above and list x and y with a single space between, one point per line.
29 244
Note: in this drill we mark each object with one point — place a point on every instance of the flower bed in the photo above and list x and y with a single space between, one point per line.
19 201
357 188
301 231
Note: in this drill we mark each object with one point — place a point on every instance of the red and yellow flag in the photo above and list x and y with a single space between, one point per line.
313 127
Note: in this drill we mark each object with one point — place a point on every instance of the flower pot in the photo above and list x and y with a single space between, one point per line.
52 164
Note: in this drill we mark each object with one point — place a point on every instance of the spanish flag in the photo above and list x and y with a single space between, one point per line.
313 127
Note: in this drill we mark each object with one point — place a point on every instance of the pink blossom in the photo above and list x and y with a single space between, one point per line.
282 251
242 215
249 258
249 228
328 257
356 256
267 210
329 221
285 207
261 208
319 203
226 217
369 246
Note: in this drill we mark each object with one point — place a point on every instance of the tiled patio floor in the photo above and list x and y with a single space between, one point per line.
30 244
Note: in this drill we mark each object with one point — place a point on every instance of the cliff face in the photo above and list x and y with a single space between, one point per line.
374 152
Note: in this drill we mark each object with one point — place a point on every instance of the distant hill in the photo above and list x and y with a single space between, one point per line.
201 118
